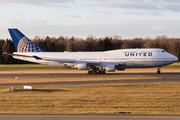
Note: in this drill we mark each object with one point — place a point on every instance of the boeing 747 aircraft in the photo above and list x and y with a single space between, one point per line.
94 62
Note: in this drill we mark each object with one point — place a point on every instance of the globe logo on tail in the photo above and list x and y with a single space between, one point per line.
26 45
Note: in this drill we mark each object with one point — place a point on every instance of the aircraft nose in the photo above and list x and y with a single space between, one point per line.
176 59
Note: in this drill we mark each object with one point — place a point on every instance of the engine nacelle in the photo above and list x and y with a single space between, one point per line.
120 67
110 68
82 66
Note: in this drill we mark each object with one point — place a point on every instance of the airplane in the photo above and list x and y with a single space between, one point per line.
94 62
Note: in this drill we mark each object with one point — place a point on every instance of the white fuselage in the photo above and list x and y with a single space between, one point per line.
127 58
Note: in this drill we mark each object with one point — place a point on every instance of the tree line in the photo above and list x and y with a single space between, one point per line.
72 44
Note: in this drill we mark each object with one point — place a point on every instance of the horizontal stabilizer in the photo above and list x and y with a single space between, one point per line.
17 55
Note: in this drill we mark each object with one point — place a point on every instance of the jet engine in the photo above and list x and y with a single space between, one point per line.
110 68
82 66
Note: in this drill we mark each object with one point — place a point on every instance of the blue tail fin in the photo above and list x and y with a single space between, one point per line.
22 43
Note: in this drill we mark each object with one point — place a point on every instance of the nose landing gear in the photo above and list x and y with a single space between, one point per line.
158 72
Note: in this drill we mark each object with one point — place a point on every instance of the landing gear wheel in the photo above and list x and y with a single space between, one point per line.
158 72
98 72
89 72
94 72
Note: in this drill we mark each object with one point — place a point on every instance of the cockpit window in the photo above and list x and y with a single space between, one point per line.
163 51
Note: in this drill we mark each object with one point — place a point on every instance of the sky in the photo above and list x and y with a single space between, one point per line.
98 18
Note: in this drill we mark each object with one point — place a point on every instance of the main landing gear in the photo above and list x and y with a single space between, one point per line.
94 72
158 72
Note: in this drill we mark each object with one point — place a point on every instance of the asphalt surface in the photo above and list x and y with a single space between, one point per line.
166 77
7 75
85 117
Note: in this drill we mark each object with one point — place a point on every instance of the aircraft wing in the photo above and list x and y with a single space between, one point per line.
66 60
90 63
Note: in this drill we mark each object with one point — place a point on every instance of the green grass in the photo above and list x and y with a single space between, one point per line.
129 98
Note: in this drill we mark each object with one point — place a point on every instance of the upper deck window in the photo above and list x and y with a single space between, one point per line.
163 51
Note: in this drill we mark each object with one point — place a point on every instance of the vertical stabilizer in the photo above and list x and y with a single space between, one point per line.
22 43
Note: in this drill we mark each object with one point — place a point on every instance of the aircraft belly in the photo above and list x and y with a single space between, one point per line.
147 64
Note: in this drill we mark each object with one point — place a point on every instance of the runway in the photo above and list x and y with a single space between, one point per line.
85 117
166 77
7 75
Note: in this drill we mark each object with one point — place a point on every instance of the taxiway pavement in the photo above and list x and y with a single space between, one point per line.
166 77
85 117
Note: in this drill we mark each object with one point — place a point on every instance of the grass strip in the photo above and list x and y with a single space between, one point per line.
127 98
